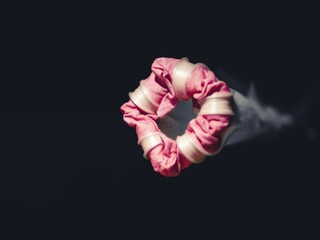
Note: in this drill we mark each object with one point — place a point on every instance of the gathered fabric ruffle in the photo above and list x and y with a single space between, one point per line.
204 131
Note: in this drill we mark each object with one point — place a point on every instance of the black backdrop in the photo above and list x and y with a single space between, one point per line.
69 162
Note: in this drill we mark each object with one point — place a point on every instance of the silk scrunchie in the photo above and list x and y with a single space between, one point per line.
172 80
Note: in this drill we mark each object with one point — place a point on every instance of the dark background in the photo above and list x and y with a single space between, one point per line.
69 162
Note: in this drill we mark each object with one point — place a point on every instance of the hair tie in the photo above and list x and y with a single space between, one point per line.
172 80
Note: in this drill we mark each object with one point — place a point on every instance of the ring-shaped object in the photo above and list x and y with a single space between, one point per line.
173 80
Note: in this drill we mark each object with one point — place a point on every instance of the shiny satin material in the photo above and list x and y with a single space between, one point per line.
150 141
189 149
204 131
217 103
140 98
179 77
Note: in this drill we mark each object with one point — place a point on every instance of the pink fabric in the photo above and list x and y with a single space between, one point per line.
206 130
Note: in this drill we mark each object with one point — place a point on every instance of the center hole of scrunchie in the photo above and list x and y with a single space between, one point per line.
175 122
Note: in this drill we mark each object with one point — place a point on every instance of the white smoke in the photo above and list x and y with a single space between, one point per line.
255 119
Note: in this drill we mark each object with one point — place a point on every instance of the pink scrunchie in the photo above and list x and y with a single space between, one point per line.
205 130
